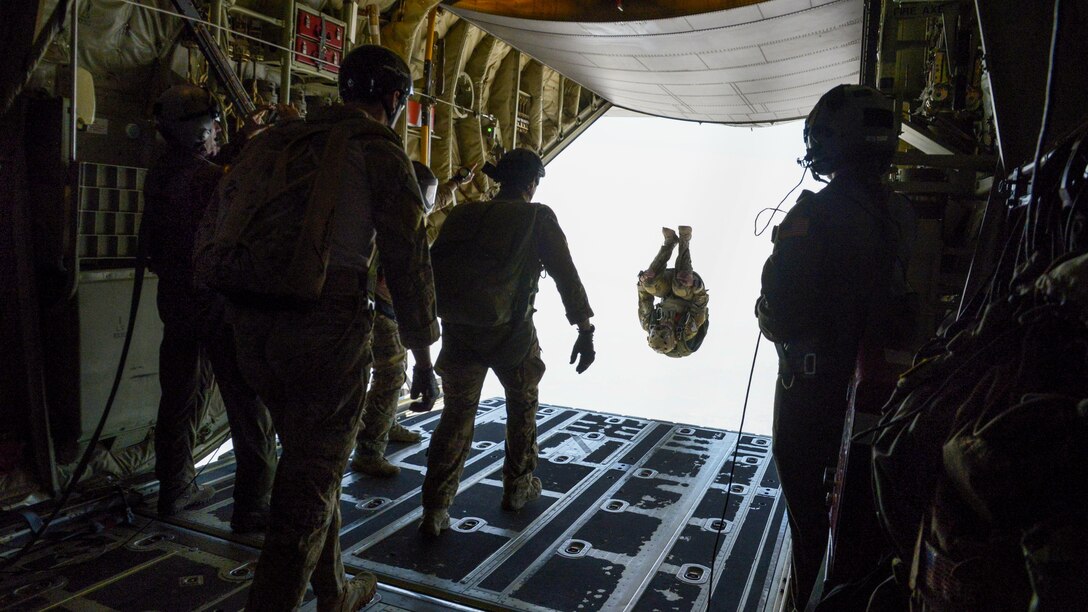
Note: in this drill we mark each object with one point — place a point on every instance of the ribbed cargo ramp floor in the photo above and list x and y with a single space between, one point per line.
627 519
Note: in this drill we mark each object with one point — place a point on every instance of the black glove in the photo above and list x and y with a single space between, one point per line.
765 320
425 387
583 347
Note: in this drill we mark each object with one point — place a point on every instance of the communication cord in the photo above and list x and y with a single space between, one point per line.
776 209
732 469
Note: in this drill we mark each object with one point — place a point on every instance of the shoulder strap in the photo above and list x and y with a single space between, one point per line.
319 206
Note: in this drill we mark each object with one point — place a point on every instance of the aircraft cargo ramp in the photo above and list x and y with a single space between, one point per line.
627 521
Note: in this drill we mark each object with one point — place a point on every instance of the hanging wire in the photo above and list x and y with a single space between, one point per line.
1033 203
777 208
732 470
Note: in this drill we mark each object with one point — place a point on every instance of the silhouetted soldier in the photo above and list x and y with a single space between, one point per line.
178 188
310 363
836 254
488 259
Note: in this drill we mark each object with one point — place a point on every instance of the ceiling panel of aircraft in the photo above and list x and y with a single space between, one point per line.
757 63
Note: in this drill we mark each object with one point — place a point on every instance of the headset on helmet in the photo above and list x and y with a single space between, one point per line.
428 184
850 124
370 73
185 114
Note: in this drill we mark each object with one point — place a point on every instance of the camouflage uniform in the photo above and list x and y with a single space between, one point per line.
178 189
512 351
311 367
444 201
390 358
831 254
681 305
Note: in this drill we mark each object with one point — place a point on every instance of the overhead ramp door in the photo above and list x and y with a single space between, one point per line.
754 63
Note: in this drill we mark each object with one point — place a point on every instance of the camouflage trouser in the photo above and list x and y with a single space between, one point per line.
665 280
311 369
390 359
197 343
452 439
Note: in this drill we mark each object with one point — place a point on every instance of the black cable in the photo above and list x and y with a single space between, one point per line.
85 460
998 275
1044 127
732 469
777 208
191 482
128 513
1067 230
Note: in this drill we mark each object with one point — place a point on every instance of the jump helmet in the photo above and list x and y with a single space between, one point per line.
519 166
848 125
186 115
370 73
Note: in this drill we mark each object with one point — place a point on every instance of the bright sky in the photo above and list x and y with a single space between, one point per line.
613 189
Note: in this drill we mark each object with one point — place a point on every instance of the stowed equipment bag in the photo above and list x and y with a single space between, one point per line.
485 263
265 241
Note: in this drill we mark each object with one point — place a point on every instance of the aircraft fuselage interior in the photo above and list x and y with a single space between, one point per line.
963 446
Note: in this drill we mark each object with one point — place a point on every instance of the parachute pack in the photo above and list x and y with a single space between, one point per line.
265 239
485 263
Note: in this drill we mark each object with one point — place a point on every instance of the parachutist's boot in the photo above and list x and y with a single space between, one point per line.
357 593
515 499
434 522
193 495
249 521
670 235
685 233
378 467
400 433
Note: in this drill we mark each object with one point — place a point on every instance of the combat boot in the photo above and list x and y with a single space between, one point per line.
434 522
685 233
378 467
249 521
400 433
357 593
669 234
193 495
515 500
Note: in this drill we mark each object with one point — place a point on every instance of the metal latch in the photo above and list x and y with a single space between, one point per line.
810 364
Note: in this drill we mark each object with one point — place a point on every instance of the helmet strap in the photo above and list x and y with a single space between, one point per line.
393 108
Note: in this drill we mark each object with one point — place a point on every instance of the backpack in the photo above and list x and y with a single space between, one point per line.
265 241
485 263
